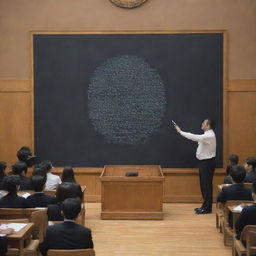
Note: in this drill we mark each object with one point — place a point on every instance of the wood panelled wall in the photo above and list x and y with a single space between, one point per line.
181 185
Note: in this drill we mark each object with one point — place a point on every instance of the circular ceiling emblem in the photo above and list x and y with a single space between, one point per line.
128 3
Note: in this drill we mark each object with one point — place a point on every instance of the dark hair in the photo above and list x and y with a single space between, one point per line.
254 187
24 153
233 159
47 165
66 190
210 122
19 167
68 175
238 173
251 161
71 207
3 166
10 183
38 182
39 171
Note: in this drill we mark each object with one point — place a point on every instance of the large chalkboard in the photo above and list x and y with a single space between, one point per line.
109 98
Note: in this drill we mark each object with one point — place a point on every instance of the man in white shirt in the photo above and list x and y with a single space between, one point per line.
205 153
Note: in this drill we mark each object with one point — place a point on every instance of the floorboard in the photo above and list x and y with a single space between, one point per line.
180 233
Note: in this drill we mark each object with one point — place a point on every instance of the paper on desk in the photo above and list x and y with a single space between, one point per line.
238 208
25 195
16 226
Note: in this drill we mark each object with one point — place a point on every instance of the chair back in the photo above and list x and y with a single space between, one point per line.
40 219
51 192
80 252
251 241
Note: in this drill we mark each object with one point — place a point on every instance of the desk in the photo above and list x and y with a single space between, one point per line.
235 215
19 239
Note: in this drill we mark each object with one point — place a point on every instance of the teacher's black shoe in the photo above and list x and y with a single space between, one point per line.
203 211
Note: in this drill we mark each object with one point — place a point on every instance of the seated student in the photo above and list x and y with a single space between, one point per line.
20 168
3 166
250 167
65 190
68 176
3 243
12 200
236 191
39 199
233 160
39 171
67 235
52 181
247 216
24 153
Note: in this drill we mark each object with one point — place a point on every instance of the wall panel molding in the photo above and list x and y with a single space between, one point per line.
15 85
242 85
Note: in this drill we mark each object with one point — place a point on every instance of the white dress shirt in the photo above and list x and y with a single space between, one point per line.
206 143
52 181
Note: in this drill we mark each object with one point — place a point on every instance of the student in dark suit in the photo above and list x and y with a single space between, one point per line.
65 190
12 200
236 191
20 168
3 166
250 167
3 243
69 176
67 235
233 160
247 216
39 199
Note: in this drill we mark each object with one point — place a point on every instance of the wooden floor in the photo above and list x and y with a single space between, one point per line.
180 233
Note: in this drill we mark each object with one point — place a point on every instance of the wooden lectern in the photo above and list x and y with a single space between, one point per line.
138 197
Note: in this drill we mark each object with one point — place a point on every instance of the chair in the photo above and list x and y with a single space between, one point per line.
246 235
251 241
220 206
51 192
35 215
80 252
227 228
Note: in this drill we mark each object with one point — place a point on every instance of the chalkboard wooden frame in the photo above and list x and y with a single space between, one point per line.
225 64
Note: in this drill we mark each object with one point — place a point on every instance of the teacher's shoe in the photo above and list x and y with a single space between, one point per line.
203 211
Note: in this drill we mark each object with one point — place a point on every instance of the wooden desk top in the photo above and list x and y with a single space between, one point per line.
231 208
22 234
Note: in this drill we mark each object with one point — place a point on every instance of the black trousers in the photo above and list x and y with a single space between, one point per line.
206 172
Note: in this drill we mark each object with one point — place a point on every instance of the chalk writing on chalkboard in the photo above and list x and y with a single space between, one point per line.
126 100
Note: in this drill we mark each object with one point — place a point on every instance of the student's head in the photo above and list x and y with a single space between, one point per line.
11 183
250 164
3 166
19 168
38 182
71 208
39 171
233 159
47 165
237 174
24 153
66 190
208 124
68 175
